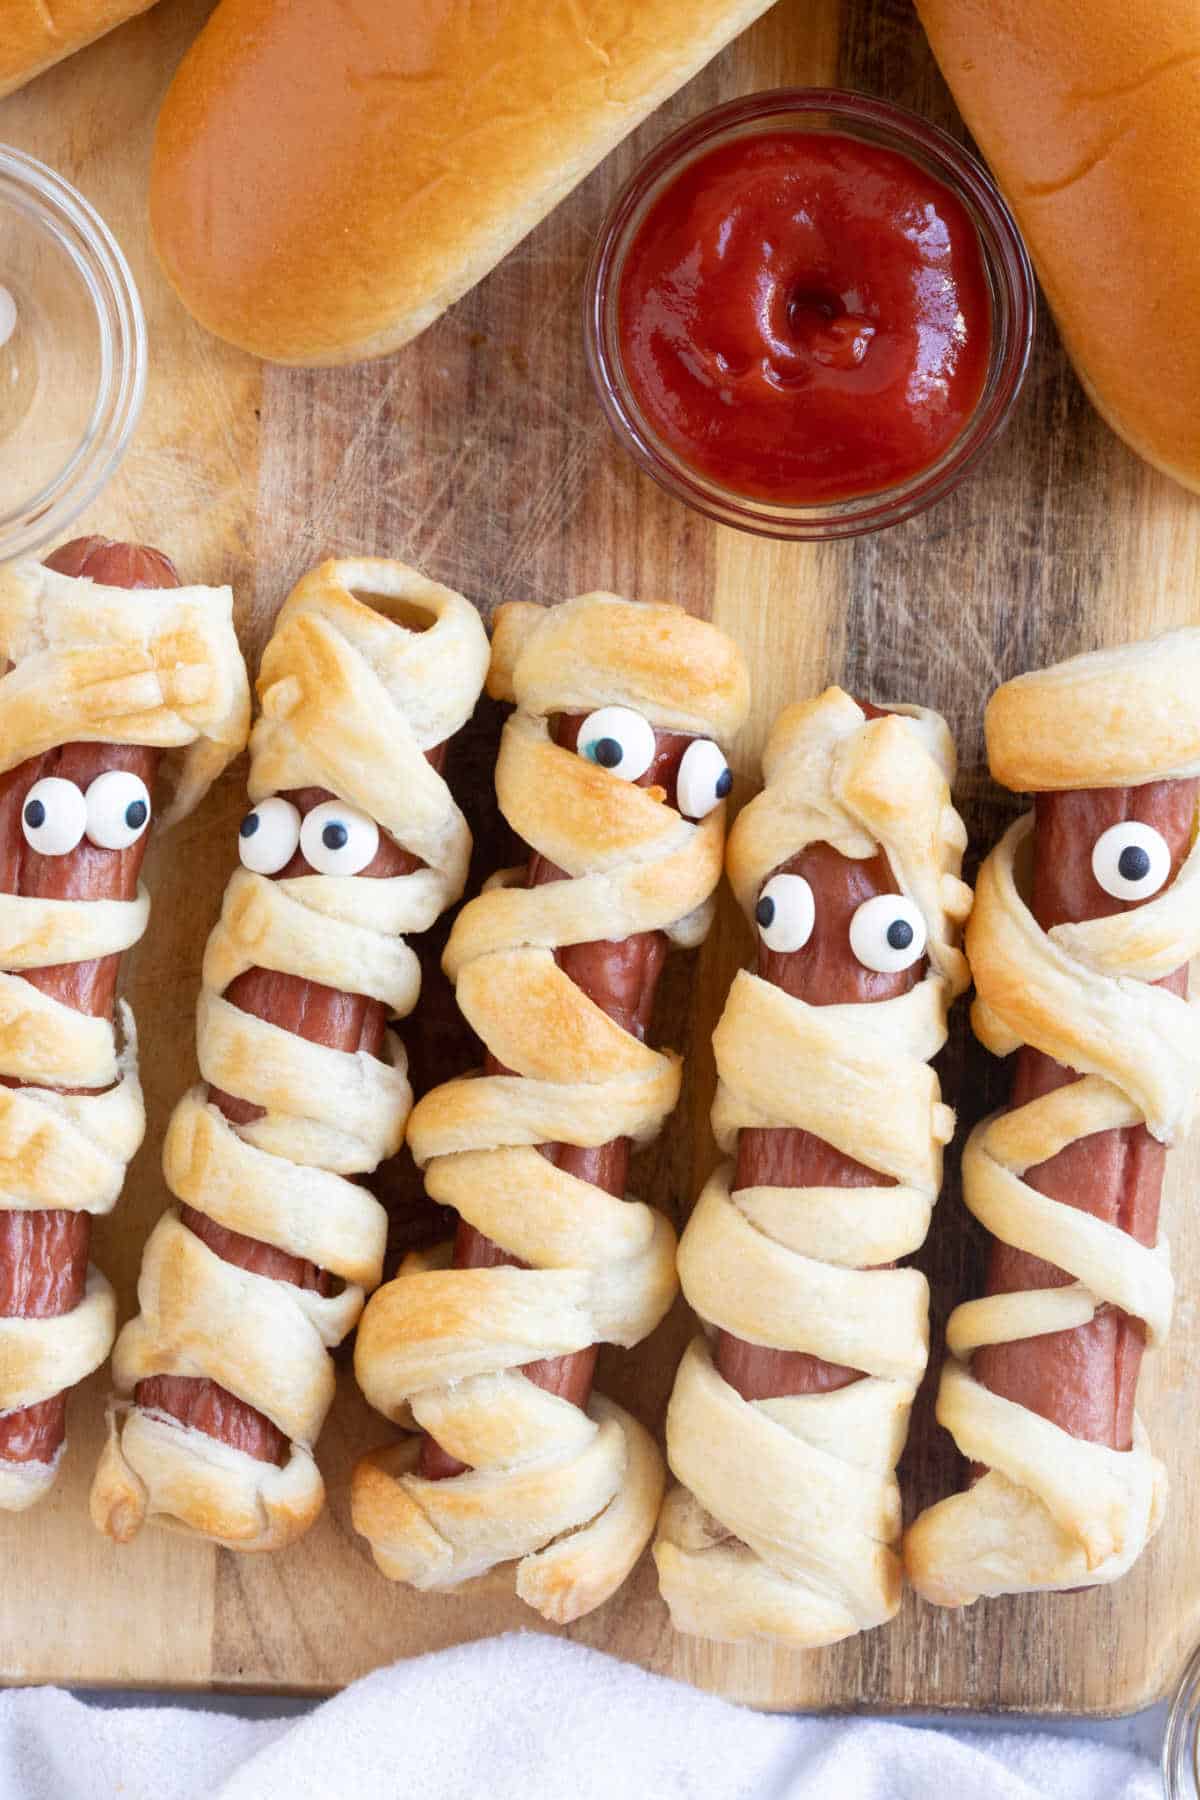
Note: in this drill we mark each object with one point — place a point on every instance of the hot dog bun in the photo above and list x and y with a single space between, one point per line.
1089 113
327 180
34 36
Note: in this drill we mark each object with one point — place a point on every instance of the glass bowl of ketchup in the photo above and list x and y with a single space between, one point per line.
809 313
72 354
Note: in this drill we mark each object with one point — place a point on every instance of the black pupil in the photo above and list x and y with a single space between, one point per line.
35 814
1134 863
249 825
764 912
135 814
607 752
724 783
335 837
900 934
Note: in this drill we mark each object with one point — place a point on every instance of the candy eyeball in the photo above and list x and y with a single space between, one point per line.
1131 861
337 839
54 816
887 934
785 913
268 836
704 779
118 809
619 740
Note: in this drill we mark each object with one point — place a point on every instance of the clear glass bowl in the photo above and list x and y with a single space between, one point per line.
72 354
1181 1744
1006 264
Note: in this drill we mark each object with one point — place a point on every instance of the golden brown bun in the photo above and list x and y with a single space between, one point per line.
1089 113
34 36
327 180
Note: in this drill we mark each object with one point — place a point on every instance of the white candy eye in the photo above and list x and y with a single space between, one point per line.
268 836
619 739
118 809
338 839
704 779
54 816
785 913
1131 861
888 934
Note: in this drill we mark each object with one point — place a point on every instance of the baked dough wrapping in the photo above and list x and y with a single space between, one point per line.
1055 1511
89 663
568 1495
351 698
786 1522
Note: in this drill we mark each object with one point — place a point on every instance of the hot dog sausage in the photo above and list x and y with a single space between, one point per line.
44 1255
1084 922
323 1015
351 844
824 973
622 978
1085 1380
790 1407
553 975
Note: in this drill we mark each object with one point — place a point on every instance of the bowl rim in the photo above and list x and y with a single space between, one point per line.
59 210
1011 285
1180 1760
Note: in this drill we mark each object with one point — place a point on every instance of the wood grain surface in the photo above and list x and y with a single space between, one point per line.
479 454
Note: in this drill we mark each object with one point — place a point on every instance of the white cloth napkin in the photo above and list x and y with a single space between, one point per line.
531 1718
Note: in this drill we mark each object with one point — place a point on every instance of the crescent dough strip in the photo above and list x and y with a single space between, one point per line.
569 1496
98 664
39 934
786 1522
1056 1511
351 698
107 665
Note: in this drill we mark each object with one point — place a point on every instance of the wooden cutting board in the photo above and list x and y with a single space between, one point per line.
479 454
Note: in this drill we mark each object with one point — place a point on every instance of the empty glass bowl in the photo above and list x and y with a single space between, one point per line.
72 354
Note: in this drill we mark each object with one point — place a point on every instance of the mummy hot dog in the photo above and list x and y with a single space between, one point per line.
785 1429
352 839
111 665
610 770
1087 913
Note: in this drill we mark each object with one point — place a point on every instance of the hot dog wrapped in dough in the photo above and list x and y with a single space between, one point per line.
612 770
1087 914
112 669
260 1267
791 1409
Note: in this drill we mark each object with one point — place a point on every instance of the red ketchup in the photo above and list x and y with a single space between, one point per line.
804 317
